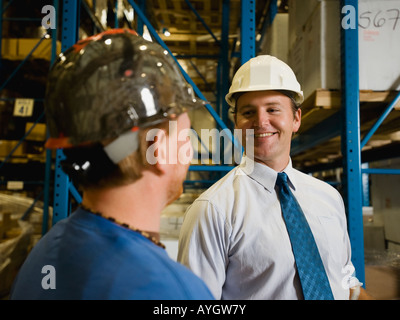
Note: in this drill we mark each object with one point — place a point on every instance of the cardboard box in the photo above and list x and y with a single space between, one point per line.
391 218
379 43
38 133
6 146
9 48
316 51
299 13
385 188
18 49
315 48
275 42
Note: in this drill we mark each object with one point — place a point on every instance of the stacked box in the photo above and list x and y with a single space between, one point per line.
6 146
275 41
315 50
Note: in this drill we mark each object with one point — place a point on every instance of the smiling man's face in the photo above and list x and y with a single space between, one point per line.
270 115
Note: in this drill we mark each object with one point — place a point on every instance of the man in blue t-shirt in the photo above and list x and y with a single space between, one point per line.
117 106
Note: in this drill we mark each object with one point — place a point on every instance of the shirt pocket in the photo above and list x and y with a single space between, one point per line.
334 237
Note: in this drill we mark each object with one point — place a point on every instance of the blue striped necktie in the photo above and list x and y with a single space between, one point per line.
313 278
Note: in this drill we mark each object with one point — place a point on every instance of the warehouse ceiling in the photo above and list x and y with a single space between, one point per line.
192 30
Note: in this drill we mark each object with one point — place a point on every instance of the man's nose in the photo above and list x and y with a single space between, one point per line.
261 118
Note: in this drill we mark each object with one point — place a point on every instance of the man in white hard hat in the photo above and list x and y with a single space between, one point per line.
236 235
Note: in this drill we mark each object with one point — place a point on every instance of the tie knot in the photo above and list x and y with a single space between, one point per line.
282 179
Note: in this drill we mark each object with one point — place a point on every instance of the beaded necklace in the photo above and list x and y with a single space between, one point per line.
145 234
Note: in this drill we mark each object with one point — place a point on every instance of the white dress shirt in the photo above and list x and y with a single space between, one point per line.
234 236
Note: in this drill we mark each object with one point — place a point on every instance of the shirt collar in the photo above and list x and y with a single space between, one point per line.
291 174
264 175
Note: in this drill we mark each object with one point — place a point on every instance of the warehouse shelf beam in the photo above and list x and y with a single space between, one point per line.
380 171
380 120
370 155
13 99
197 56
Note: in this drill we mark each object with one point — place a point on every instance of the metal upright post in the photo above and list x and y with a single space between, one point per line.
351 149
61 181
224 62
1 28
139 27
248 30
47 171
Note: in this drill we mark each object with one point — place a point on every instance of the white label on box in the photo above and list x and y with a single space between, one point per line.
379 45
15 185
23 107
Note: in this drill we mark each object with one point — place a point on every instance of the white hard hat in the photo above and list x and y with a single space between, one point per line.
265 72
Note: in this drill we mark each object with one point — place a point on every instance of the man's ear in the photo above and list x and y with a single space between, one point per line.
156 153
297 120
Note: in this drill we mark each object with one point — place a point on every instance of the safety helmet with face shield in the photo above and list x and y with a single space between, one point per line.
111 84
105 88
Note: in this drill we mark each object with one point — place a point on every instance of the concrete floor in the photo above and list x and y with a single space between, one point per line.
382 274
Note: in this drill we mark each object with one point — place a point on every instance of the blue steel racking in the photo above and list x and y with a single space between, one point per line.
349 117
46 182
351 150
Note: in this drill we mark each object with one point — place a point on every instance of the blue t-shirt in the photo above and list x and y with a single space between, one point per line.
88 257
